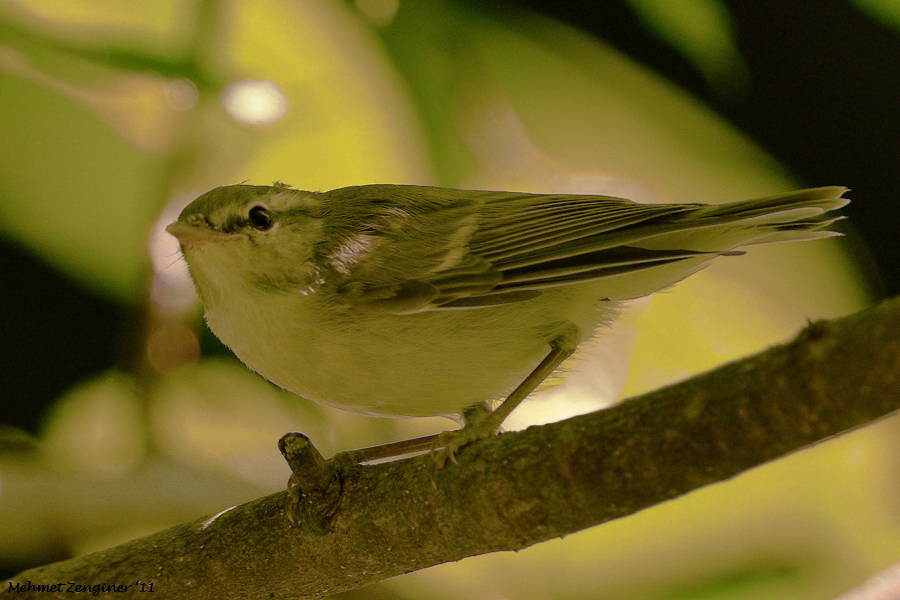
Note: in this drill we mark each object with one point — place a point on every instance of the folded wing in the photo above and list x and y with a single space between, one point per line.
451 249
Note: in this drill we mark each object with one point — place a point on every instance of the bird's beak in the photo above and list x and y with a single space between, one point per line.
194 234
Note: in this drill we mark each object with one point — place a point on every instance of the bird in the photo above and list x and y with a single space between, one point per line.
405 300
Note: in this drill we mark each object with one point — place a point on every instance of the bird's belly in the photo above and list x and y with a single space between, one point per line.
414 365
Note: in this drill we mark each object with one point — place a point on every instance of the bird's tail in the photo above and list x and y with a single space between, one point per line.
800 215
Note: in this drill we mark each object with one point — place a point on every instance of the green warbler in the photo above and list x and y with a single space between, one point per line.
410 300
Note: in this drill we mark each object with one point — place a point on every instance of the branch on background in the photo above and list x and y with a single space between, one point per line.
521 488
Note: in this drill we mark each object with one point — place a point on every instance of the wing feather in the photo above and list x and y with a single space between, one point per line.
411 248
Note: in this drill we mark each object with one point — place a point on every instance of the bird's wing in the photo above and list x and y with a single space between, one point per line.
637 249
399 248
429 248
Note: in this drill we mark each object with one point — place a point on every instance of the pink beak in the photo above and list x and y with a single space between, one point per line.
195 234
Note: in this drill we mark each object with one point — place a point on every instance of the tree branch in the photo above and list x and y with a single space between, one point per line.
525 487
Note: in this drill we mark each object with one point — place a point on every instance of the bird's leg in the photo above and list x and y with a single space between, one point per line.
363 455
479 421
561 348
470 416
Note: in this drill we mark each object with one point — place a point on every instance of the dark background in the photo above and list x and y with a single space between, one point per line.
823 99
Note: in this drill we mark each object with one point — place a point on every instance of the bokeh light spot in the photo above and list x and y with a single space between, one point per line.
182 94
255 102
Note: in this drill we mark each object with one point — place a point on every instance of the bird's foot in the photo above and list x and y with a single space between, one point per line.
480 423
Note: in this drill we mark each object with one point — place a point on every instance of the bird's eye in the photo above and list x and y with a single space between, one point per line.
261 218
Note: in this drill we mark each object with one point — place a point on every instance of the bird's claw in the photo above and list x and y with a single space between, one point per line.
449 443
